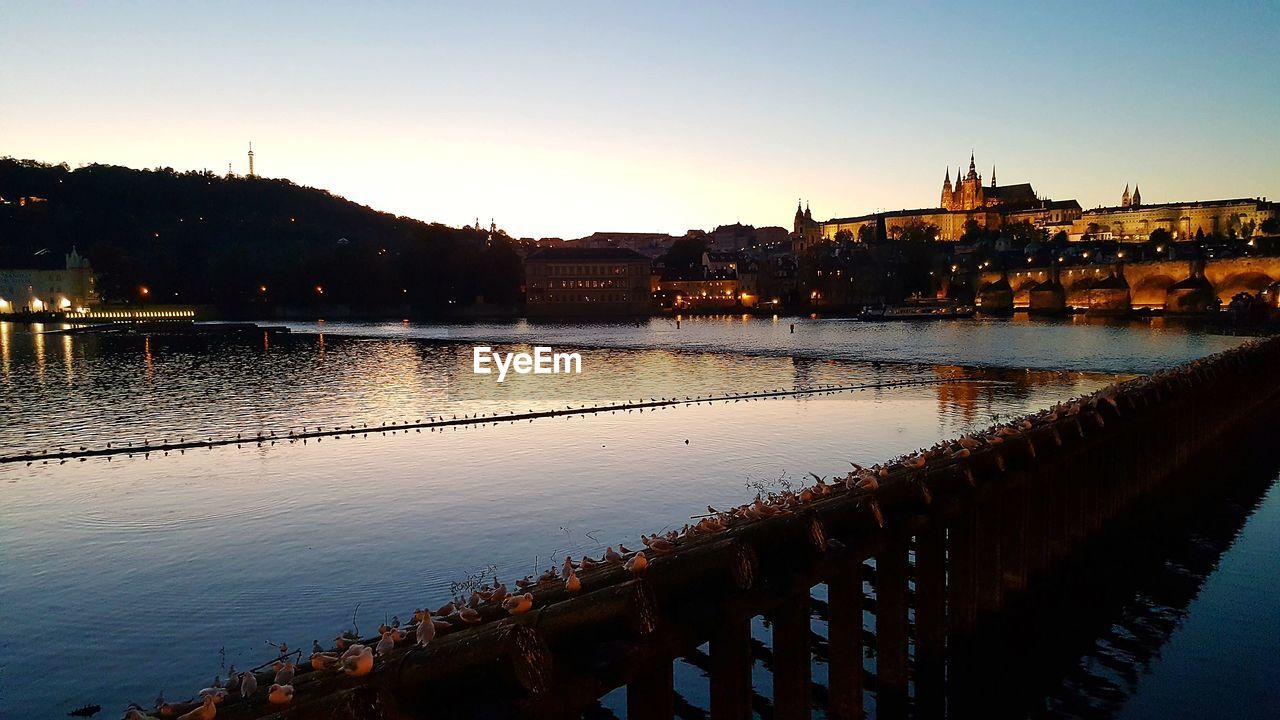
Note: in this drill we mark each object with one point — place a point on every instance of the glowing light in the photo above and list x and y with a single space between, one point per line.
64 303
262 288
319 290
144 291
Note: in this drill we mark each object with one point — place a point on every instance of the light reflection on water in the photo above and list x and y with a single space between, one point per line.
164 561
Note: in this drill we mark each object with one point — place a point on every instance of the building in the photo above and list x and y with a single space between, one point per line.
38 283
968 200
1134 221
568 282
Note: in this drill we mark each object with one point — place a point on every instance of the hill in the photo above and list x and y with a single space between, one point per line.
245 244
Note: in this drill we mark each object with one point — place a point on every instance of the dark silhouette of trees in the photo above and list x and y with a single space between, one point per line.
240 243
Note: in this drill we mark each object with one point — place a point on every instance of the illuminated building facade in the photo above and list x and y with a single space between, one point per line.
587 281
40 285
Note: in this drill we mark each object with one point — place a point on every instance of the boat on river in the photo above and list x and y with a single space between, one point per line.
919 308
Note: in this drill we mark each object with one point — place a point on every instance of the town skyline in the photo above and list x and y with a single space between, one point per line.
565 122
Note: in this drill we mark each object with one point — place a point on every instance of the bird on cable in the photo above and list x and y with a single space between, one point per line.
280 694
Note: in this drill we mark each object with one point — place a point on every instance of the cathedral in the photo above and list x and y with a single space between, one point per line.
969 193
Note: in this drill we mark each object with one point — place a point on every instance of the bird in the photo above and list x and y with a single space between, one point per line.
386 644
571 582
357 661
206 711
611 555
280 694
518 604
426 629
248 684
324 661
637 564
284 672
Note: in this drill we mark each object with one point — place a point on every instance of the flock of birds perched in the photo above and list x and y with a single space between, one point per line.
145 447
350 656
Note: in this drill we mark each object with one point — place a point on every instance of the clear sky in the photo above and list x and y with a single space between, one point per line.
563 118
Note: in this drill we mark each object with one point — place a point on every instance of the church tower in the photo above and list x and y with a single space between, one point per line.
993 176
798 226
946 191
1137 197
1124 199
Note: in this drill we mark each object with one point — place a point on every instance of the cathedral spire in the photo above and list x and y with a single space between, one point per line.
993 175
972 168
1124 199
1137 196
946 179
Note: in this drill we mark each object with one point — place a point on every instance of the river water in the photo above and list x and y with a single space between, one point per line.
155 570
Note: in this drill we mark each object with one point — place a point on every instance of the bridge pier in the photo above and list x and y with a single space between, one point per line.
996 298
1193 295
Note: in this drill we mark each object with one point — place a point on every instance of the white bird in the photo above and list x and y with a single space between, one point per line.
517 604
637 564
207 710
358 664
386 644
426 629
323 661
284 673
280 694
248 684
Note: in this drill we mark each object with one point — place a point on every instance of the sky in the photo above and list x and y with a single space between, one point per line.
562 119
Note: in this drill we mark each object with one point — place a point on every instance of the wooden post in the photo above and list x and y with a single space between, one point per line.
844 643
931 611
792 660
891 629
990 581
731 670
1013 545
652 695
961 588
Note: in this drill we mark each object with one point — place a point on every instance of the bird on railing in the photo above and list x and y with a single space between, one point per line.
280 694
637 564
518 604
284 672
426 631
357 661
248 684
385 645
206 711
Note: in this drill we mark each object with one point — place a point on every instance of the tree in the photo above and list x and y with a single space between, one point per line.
1160 236
867 233
685 254
1271 226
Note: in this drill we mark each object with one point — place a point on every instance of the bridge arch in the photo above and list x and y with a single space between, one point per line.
1250 281
1150 291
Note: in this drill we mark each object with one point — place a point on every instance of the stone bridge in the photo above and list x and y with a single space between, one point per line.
1172 285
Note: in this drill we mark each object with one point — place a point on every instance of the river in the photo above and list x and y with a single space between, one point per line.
125 575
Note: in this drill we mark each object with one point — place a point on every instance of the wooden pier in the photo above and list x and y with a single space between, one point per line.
931 551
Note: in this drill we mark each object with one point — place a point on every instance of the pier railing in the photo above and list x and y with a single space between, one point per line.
935 544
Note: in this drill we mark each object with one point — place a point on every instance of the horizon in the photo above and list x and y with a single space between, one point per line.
660 119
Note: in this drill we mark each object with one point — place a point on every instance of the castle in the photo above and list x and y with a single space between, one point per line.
968 202
969 193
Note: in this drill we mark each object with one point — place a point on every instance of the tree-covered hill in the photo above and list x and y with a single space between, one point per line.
221 240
